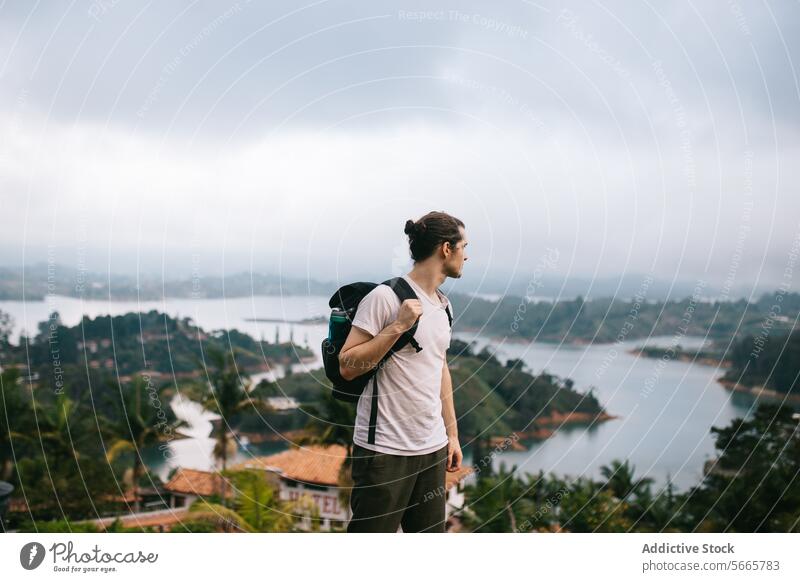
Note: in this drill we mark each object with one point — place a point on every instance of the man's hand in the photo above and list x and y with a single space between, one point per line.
454 454
410 311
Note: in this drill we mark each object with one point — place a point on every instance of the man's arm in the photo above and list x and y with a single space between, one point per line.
362 351
454 454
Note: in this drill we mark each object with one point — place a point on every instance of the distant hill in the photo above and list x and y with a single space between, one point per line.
608 320
35 282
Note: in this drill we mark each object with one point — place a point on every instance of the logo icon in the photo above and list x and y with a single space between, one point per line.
31 555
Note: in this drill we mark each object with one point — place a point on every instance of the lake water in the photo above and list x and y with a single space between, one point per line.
665 409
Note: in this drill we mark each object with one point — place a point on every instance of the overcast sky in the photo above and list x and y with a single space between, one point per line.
295 138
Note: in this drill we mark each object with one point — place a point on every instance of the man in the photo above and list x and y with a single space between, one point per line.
399 467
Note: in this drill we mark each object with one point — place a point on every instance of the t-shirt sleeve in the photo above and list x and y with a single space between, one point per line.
375 311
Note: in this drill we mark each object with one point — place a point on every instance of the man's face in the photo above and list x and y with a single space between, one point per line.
454 262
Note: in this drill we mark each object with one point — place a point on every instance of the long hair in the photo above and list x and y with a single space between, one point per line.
425 234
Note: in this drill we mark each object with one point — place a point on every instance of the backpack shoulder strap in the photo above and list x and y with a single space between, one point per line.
404 291
449 315
401 287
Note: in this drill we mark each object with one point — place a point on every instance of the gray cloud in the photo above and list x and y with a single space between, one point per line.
632 137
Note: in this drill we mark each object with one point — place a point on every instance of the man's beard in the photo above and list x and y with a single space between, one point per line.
452 272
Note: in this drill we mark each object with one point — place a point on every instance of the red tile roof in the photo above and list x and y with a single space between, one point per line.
194 482
310 464
320 465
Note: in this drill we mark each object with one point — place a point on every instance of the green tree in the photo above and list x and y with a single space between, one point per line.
497 503
15 421
227 395
588 508
140 422
754 484
257 502
62 476
257 508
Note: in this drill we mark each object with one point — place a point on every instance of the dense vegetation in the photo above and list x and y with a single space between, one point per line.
754 486
767 360
70 439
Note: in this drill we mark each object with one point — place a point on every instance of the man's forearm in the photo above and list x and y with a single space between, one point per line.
448 406
363 357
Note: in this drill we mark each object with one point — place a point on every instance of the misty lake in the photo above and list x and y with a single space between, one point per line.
663 431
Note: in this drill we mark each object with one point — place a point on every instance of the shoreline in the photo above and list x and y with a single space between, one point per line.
515 338
682 356
760 391
546 427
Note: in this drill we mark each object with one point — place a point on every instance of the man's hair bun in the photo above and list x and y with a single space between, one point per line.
433 229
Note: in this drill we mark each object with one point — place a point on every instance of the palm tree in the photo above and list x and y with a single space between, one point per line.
219 517
227 395
621 482
14 418
257 508
257 502
137 426
62 432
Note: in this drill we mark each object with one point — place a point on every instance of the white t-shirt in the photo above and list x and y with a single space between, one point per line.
409 420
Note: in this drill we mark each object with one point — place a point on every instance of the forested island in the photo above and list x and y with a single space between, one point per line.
152 342
706 357
766 365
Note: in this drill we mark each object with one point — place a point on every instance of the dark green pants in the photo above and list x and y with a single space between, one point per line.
394 490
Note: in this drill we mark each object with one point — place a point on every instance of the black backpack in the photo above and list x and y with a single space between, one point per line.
344 304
